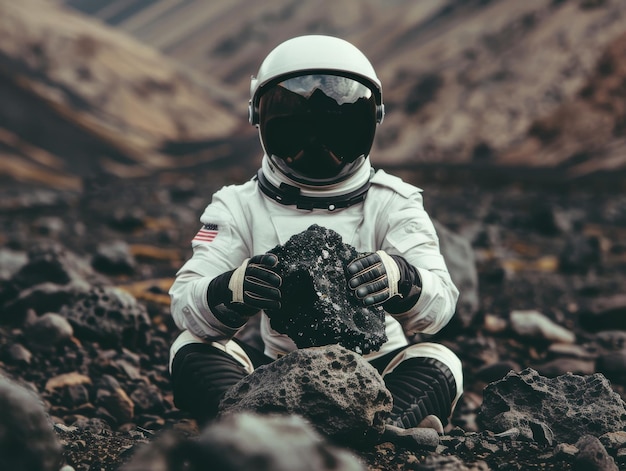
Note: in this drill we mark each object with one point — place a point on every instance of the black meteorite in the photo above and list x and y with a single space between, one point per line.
318 307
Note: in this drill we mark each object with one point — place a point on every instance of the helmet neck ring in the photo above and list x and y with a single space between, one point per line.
291 196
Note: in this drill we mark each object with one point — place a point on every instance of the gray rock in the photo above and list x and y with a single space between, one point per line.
27 439
441 463
42 297
566 450
114 258
569 405
496 371
11 262
36 199
613 339
580 254
411 437
51 262
148 399
318 308
248 442
338 391
48 331
128 218
114 399
561 366
92 425
108 315
620 456
18 353
51 276
614 440
613 365
75 395
544 217
569 350
604 313
536 325
592 456
461 261
50 226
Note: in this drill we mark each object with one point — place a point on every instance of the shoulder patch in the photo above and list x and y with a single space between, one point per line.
207 233
394 183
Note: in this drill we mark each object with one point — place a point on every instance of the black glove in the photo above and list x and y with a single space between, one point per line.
378 278
248 289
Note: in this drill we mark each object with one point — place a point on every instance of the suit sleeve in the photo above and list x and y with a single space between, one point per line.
411 234
218 247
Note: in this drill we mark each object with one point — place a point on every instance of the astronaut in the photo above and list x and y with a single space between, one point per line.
316 101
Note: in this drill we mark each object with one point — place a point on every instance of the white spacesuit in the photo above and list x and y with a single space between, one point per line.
317 102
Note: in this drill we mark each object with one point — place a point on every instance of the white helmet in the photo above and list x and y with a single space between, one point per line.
317 101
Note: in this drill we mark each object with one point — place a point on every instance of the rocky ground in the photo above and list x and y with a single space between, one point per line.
551 269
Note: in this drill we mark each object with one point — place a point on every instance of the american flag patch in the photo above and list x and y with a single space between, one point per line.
206 234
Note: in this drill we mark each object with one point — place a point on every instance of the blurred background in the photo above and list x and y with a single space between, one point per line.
475 90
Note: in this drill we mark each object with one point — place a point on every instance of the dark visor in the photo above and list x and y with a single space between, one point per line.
317 124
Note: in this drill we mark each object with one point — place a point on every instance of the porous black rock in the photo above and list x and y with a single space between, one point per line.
48 280
108 315
561 408
337 390
318 308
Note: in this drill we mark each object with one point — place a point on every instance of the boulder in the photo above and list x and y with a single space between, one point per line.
248 441
334 388
563 408
27 439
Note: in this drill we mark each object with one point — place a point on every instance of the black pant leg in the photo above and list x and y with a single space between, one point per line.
201 375
420 386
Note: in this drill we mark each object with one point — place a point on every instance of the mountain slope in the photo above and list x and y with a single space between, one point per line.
464 81
80 98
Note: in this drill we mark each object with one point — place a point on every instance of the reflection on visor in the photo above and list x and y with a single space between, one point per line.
341 89
317 124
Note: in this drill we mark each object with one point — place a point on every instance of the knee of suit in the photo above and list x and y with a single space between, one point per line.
201 375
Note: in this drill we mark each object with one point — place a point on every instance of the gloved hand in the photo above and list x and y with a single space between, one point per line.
249 288
254 283
378 277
